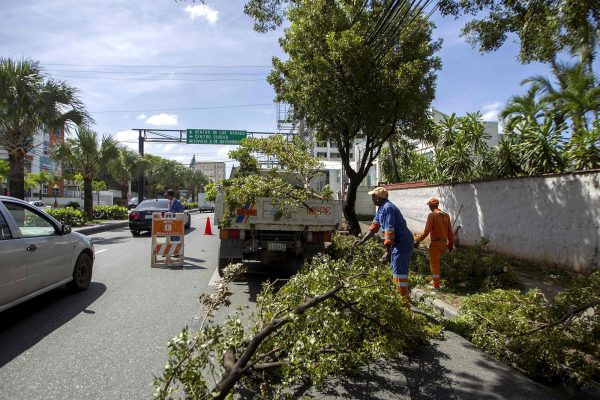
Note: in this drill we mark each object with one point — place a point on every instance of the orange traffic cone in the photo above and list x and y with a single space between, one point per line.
208 229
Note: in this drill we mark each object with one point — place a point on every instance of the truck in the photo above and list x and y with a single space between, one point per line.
204 205
256 234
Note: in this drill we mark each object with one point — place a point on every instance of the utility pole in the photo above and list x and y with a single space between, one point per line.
141 173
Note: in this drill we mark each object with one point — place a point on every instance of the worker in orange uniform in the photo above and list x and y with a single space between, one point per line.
439 228
398 240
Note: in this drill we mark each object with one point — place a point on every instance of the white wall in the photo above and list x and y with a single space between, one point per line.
553 219
364 204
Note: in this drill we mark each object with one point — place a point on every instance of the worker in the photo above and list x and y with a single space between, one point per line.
175 206
398 240
439 228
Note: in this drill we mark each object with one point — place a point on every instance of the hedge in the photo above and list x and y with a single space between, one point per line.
109 212
189 205
68 216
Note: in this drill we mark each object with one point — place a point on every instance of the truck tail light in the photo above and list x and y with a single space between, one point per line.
134 215
234 234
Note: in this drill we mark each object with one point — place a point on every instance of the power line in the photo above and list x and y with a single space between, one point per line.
158 66
185 108
157 79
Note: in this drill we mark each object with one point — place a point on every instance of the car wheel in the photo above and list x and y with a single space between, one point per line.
135 233
82 274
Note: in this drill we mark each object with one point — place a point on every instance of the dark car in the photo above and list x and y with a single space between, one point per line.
140 218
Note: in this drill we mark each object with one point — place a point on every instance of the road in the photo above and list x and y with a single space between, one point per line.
108 342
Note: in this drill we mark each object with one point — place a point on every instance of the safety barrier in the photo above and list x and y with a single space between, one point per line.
168 239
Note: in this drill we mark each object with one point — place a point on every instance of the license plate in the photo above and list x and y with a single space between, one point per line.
148 216
275 246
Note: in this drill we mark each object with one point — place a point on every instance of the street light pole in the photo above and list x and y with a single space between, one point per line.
55 189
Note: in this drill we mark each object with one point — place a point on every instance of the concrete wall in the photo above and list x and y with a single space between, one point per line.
364 204
552 219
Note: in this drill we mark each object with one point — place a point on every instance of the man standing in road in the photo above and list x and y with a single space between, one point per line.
398 240
439 228
175 206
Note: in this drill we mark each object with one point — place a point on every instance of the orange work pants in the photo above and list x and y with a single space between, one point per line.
436 249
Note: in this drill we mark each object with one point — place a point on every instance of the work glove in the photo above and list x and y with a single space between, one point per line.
385 258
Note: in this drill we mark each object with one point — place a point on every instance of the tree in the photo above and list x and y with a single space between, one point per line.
509 156
529 106
28 104
124 169
4 170
98 186
347 88
87 156
584 150
412 166
575 97
544 28
41 179
542 148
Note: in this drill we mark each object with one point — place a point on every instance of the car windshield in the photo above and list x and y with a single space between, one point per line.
158 204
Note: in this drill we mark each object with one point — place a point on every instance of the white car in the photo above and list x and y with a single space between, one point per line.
38 254
40 204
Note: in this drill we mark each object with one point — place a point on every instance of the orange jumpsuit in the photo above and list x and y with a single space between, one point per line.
439 227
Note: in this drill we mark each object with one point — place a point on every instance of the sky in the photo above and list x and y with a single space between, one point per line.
167 64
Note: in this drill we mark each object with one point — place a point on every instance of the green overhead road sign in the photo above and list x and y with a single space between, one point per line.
214 136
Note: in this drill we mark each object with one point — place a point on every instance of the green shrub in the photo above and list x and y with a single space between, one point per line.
68 216
73 204
109 212
469 270
189 205
550 340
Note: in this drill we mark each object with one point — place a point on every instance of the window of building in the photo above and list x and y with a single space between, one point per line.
322 143
322 154
335 155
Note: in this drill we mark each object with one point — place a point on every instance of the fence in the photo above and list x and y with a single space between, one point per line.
552 219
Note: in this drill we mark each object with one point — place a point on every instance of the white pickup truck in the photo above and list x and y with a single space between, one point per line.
255 234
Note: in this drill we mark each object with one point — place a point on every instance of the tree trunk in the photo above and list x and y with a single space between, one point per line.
88 197
349 206
394 160
16 182
125 194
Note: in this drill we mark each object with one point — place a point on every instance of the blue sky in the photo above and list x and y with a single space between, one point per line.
144 64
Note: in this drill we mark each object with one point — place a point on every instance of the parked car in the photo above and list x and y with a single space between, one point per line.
40 204
132 204
140 218
39 254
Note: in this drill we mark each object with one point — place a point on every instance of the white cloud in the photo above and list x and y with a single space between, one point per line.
127 138
491 111
203 11
141 117
162 119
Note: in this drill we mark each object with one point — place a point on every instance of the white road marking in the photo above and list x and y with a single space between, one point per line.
214 278
100 251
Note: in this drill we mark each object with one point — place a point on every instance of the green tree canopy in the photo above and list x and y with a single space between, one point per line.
345 89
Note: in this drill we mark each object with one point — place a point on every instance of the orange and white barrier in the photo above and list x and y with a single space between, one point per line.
168 239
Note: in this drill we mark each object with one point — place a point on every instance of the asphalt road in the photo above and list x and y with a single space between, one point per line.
108 342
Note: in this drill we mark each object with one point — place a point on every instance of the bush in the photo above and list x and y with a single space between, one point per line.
550 340
189 205
109 212
68 216
73 204
469 270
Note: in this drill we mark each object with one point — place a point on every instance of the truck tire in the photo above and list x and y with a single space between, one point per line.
225 261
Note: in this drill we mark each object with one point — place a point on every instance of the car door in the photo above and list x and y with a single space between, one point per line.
13 272
48 255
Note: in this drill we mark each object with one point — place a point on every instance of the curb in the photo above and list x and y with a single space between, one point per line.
90 230
446 310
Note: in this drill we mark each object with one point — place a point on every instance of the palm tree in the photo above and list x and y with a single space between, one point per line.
542 148
584 150
575 96
447 130
509 157
124 169
86 156
41 179
28 103
519 108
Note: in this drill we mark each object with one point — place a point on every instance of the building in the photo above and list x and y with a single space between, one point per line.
38 160
215 171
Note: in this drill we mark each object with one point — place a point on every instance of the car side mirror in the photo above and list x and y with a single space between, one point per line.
65 229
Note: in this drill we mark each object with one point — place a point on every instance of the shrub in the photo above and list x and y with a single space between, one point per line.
189 205
73 204
470 270
550 340
109 212
68 216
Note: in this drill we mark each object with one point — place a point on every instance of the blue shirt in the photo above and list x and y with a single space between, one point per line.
175 206
393 226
